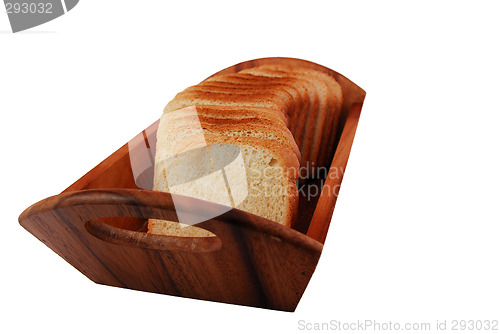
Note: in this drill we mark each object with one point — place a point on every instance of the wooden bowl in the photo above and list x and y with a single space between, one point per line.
98 225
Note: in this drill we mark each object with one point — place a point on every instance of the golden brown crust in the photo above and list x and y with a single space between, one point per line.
217 98
232 112
247 127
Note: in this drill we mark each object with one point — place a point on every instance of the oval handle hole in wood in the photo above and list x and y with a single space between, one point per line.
140 239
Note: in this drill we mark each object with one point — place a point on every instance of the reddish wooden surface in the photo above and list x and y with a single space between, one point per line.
251 261
98 223
318 227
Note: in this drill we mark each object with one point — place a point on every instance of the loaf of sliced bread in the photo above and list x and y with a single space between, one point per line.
240 139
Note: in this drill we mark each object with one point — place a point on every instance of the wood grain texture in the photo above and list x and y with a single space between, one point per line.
252 261
318 227
98 223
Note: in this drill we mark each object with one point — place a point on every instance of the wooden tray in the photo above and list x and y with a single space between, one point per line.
98 225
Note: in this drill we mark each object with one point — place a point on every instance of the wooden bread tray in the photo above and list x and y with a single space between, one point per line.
98 225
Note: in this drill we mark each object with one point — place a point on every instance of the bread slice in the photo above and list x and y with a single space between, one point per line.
271 89
271 174
250 93
185 99
315 128
326 149
239 112
247 127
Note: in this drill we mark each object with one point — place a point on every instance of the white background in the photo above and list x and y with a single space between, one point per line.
415 234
